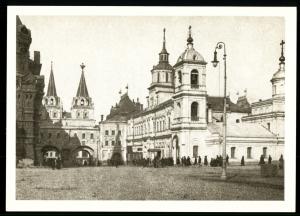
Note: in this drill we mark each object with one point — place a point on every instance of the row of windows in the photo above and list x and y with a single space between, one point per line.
112 142
232 152
112 132
58 135
168 77
158 126
249 152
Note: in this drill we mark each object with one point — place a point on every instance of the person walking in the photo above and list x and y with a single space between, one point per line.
243 161
262 160
270 160
227 160
205 161
195 161
199 161
281 162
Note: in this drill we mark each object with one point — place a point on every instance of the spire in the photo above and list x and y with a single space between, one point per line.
282 58
51 86
190 39
163 55
82 89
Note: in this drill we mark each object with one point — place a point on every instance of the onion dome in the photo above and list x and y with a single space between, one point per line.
190 54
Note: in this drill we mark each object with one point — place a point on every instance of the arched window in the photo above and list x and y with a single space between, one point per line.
82 102
85 115
158 77
194 111
167 77
194 79
46 101
51 101
180 77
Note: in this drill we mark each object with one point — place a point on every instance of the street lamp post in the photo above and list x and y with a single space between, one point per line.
215 62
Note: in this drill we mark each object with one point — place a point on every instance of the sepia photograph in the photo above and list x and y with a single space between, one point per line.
164 106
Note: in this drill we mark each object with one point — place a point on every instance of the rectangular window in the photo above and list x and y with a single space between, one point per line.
119 142
112 143
249 152
106 143
92 136
269 125
49 135
119 132
265 152
112 132
195 151
106 132
83 136
232 152
58 135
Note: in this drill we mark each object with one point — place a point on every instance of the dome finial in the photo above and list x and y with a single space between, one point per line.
190 39
82 66
282 58
164 39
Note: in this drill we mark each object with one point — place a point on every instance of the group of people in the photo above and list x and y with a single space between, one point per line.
54 163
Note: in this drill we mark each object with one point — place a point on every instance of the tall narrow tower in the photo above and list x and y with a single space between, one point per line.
189 100
162 85
82 105
278 79
51 101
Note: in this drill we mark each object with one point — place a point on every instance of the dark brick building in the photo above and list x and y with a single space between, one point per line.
29 94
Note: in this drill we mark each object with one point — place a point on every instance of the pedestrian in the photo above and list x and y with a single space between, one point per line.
262 160
205 161
195 161
199 161
188 161
184 161
58 165
281 162
270 159
243 161
227 160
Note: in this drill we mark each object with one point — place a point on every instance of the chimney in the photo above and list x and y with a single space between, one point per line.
101 118
37 57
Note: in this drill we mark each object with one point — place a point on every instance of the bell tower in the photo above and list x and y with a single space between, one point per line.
189 122
51 101
190 88
162 85
82 105
278 79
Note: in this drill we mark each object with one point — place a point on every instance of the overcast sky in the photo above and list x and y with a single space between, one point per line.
122 50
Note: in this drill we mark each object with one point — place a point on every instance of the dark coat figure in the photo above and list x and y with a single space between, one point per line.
243 161
188 161
270 159
58 165
281 162
184 161
199 160
262 160
53 163
177 161
195 161
205 161
227 160
220 162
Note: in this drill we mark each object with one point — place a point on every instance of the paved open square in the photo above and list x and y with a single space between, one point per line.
138 183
